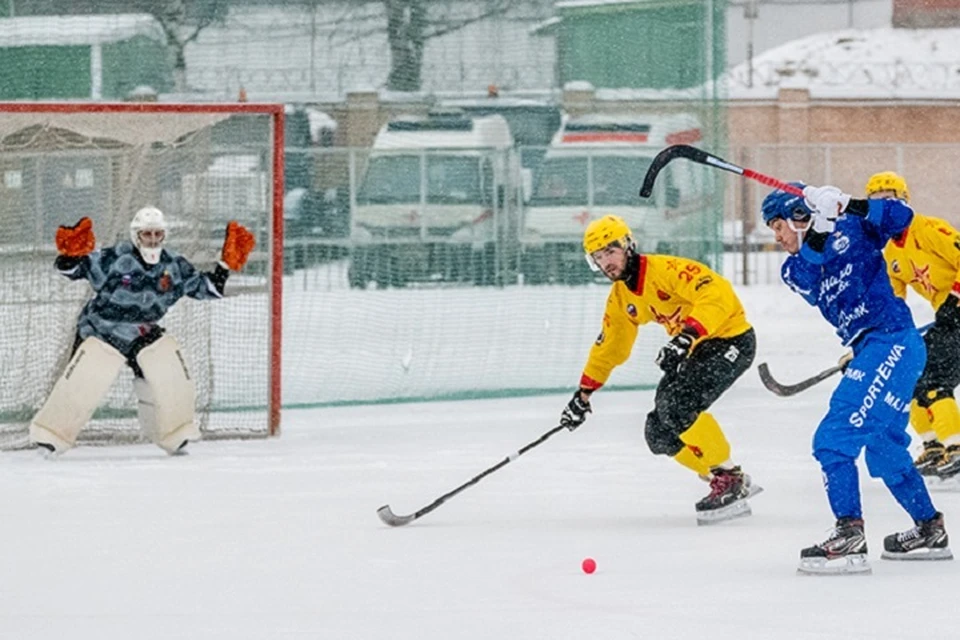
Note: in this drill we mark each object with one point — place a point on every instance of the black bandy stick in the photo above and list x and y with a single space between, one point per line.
700 156
787 390
392 519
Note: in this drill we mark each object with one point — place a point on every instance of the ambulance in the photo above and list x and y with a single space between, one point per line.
594 167
431 201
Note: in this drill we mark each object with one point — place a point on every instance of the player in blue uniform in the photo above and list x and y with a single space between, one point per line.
134 284
836 264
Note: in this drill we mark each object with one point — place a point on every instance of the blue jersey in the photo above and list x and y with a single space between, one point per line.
848 281
131 296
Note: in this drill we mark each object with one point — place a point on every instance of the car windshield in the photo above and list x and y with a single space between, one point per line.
563 181
395 179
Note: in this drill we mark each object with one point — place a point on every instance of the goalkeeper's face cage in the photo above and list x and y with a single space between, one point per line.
148 231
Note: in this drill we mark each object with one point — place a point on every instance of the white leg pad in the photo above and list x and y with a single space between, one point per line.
76 394
166 395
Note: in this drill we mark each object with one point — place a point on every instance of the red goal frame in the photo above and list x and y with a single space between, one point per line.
276 113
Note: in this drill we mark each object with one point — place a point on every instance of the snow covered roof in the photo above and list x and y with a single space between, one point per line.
572 4
873 63
76 30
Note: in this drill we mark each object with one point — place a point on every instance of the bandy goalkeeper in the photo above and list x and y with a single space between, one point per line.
134 284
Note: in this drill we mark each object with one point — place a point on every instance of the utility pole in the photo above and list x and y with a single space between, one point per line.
750 13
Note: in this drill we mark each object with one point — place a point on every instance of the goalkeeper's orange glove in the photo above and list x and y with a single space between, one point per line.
76 241
237 246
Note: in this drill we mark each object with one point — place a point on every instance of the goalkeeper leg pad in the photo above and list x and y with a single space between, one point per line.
76 395
166 396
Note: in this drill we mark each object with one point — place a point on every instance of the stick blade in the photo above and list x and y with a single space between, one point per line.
388 517
787 390
767 379
662 159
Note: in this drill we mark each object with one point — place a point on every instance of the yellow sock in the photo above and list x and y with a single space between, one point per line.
921 419
706 445
946 420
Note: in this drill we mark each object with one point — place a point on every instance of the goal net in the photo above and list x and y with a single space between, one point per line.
202 165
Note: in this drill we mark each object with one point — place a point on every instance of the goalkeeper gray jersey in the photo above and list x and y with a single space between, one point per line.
130 297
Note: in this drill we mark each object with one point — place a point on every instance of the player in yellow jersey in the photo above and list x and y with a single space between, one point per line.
711 345
926 258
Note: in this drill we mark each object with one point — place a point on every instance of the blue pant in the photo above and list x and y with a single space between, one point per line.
870 410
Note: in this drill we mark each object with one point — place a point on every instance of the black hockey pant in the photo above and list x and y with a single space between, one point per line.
681 396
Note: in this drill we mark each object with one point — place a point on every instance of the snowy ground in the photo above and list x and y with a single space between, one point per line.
279 539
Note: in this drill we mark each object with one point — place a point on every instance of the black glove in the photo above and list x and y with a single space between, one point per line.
948 315
575 413
674 353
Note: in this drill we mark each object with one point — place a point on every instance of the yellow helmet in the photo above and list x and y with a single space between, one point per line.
888 181
605 231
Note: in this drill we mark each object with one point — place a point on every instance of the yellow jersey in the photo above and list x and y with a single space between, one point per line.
925 257
673 292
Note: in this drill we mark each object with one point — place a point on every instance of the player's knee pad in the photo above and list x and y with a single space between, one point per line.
945 419
76 394
166 395
921 418
706 436
660 438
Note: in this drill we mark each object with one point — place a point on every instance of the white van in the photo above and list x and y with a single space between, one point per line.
430 200
594 167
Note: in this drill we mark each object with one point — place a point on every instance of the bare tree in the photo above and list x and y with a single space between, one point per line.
182 23
411 23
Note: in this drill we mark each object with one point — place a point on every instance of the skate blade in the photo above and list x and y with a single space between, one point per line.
753 490
739 509
852 565
919 554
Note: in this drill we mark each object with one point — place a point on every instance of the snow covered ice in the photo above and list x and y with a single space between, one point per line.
280 538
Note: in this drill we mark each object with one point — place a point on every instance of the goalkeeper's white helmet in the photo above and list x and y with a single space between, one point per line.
148 219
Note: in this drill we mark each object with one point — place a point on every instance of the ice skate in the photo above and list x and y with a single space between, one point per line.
928 540
932 457
949 467
729 491
844 552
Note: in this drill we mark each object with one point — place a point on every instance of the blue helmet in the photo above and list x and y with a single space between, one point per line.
780 204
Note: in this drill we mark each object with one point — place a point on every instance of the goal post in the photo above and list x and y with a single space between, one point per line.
202 165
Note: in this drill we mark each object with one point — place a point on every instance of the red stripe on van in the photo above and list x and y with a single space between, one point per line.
684 137
605 136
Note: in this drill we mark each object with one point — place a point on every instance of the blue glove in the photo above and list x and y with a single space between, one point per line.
575 413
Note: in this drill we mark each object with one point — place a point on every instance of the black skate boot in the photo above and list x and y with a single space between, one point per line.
729 490
926 541
950 465
931 458
843 552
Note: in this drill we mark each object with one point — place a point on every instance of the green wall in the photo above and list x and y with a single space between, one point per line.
134 62
63 72
653 45
37 73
